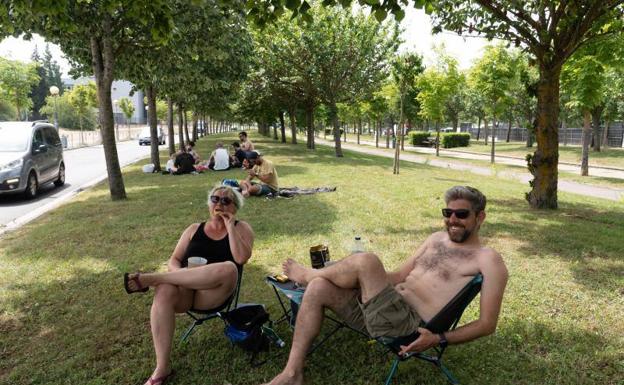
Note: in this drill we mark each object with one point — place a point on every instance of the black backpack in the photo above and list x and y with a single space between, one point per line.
245 328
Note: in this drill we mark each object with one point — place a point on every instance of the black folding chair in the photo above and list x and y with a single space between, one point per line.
447 319
201 316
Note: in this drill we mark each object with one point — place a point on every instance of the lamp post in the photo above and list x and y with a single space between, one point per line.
115 104
54 91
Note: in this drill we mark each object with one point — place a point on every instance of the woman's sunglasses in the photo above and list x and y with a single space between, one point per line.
459 213
225 201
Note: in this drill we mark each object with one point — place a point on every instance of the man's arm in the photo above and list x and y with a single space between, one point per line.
495 277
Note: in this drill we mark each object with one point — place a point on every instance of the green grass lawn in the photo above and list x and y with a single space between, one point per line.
65 318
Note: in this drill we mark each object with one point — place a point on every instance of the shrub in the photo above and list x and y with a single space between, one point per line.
417 138
450 140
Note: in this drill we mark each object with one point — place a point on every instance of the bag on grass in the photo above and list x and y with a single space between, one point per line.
230 182
244 328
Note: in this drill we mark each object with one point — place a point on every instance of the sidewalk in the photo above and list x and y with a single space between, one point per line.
564 185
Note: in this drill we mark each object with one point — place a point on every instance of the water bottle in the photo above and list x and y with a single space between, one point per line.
270 333
358 245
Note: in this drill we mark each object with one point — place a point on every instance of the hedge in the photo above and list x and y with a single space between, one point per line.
449 140
417 138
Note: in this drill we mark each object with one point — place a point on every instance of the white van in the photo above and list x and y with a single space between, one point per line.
145 138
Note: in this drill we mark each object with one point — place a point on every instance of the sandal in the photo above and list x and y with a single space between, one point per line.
162 379
139 289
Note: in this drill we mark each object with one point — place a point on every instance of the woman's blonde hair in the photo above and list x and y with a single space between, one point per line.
236 196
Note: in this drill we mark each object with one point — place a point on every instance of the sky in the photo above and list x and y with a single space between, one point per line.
416 34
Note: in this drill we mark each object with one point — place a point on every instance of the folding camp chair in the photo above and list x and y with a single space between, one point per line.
200 316
447 319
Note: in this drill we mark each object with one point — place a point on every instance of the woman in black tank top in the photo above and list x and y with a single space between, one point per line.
225 243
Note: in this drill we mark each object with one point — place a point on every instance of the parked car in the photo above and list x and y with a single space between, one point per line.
31 155
145 138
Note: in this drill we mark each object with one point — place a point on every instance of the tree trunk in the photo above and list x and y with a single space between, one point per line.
587 133
153 125
310 123
275 132
170 131
605 134
333 114
195 119
293 126
543 164
359 129
478 128
103 61
186 130
377 132
595 114
282 126
493 152
397 149
437 143
485 131
388 136
180 126
509 129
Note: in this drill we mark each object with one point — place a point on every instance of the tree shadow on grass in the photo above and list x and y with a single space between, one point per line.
86 329
575 233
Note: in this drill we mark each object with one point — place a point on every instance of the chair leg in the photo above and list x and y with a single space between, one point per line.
393 370
448 374
189 331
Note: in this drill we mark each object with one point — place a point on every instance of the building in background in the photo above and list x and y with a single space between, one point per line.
119 90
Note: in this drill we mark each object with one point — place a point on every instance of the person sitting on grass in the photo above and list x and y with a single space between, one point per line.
190 148
225 243
392 304
183 163
262 169
219 159
245 144
238 155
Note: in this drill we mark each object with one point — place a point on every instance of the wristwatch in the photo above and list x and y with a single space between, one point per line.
443 342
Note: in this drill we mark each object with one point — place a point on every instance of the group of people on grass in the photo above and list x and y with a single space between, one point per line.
261 176
358 288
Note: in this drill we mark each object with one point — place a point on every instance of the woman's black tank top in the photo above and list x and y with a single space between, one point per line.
214 251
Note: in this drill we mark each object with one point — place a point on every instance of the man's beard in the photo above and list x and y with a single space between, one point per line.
458 238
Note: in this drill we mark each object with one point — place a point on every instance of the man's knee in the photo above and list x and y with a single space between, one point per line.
368 260
320 290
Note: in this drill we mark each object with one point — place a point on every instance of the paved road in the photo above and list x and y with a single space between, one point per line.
85 166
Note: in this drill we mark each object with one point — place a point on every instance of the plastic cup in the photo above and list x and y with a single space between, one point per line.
196 261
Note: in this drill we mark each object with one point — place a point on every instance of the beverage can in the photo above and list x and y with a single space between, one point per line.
319 254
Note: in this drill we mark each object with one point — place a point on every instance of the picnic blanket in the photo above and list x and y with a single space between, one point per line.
289 192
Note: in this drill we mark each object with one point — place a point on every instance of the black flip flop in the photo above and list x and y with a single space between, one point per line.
140 288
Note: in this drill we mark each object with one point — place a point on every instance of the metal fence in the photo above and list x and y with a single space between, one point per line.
570 135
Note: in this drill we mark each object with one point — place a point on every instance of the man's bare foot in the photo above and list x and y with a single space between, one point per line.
296 272
287 379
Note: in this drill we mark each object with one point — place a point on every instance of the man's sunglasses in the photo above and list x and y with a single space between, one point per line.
459 213
225 201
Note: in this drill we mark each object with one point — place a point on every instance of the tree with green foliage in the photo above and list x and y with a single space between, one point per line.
551 31
351 57
95 36
494 74
127 107
584 78
16 82
49 72
83 98
405 69
433 97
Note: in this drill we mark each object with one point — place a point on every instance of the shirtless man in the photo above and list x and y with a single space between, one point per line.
358 288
